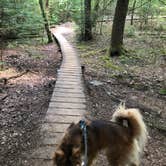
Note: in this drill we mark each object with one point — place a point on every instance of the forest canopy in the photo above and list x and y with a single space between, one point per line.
23 18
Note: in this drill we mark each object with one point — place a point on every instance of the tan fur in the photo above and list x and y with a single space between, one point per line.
123 140
135 118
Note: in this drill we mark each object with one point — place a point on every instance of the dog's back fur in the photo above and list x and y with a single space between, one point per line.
123 138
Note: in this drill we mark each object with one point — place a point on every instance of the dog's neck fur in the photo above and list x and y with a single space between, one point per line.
111 131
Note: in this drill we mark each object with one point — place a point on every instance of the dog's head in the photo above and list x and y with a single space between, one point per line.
69 151
61 159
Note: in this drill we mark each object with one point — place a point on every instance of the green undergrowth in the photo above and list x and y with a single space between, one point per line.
92 53
143 55
26 42
162 91
97 58
109 64
25 48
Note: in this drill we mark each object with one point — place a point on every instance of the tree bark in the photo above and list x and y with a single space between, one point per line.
132 12
87 22
118 27
1 59
47 4
45 22
95 13
82 19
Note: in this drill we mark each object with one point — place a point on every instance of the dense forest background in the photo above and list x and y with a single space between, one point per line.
32 19
23 19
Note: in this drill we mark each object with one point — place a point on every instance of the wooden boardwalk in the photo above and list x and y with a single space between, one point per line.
67 103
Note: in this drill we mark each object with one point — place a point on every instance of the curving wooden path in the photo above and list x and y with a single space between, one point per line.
67 103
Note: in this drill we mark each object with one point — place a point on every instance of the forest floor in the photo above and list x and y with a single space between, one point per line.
24 100
137 78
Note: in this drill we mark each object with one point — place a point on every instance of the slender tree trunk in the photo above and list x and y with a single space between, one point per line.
47 4
95 13
2 47
101 26
1 58
118 27
1 39
45 22
67 14
103 14
82 19
141 17
132 12
88 23
1 15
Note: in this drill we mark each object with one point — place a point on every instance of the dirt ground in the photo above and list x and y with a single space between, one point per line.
24 100
101 105
137 78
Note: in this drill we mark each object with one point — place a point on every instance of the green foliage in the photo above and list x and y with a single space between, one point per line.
146 10
91 53
108 63
160 24
19 18
63 11
162 91
131 59
37 56
130 31
2 64
23 18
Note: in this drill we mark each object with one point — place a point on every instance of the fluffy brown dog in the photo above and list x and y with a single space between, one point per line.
123 139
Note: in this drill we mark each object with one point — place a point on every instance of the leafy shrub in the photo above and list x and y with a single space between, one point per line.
130 31
160 25
20 19
162 91
108 63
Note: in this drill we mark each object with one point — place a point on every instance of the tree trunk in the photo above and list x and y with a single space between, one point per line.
95 13
1 59
82 19
103 14
47 4
132 12
45 22
118 27
87 23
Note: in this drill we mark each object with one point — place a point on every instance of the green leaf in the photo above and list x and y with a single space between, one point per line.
162 92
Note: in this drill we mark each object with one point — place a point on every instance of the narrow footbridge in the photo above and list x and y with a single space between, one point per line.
67 104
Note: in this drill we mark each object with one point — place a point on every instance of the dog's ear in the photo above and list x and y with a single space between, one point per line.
76 151
71 125
76 156
59 154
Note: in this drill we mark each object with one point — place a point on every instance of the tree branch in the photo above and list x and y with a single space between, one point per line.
138 6
162 2
5 80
